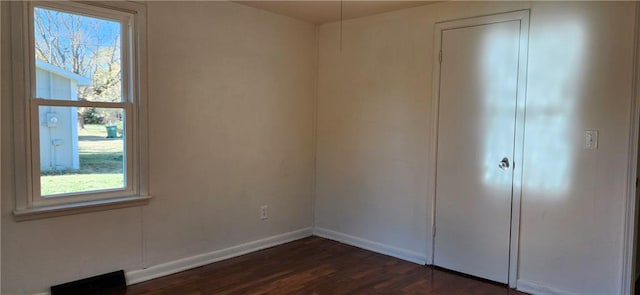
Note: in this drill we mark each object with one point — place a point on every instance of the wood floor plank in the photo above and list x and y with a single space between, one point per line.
316 266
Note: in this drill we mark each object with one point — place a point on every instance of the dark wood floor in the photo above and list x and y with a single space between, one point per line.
316 266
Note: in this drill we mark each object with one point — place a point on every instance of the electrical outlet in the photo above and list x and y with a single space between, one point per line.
264 212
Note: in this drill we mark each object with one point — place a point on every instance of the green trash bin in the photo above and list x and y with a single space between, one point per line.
112 131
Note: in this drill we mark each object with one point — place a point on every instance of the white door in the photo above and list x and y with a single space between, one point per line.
475 148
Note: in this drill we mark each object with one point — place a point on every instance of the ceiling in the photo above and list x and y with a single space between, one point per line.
319 12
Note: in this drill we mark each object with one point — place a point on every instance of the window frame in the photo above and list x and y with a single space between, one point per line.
29 203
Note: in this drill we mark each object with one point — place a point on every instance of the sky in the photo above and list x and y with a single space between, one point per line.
94 32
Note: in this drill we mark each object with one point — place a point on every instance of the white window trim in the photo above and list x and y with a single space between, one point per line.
26 137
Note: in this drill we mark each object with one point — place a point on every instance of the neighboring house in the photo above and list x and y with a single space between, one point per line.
58 125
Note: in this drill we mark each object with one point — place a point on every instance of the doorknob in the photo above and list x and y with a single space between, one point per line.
504 164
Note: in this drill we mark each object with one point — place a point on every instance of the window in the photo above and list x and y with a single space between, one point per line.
83 103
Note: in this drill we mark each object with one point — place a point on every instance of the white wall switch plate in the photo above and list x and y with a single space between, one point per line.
591 139
264 212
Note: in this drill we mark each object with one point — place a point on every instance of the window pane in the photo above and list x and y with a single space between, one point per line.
77 57
81 153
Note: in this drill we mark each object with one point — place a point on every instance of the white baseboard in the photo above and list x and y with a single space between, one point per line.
537 289
171 267
396 252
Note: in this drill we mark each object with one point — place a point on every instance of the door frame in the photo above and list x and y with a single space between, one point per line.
631 218
440 27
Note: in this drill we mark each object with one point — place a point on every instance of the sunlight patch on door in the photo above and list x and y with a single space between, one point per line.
499 80
550 107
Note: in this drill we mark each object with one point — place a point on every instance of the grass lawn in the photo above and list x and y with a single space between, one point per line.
101 165
71 183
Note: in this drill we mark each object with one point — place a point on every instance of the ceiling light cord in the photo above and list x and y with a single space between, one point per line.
341 20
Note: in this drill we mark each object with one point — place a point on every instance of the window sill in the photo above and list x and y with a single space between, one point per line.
78 208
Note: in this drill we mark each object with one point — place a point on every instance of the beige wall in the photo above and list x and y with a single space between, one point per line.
374 124
579 78
231 101
231 126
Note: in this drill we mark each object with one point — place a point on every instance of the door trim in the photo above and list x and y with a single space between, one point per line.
631 218
523 17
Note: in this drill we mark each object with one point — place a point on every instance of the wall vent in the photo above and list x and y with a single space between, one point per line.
97 285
